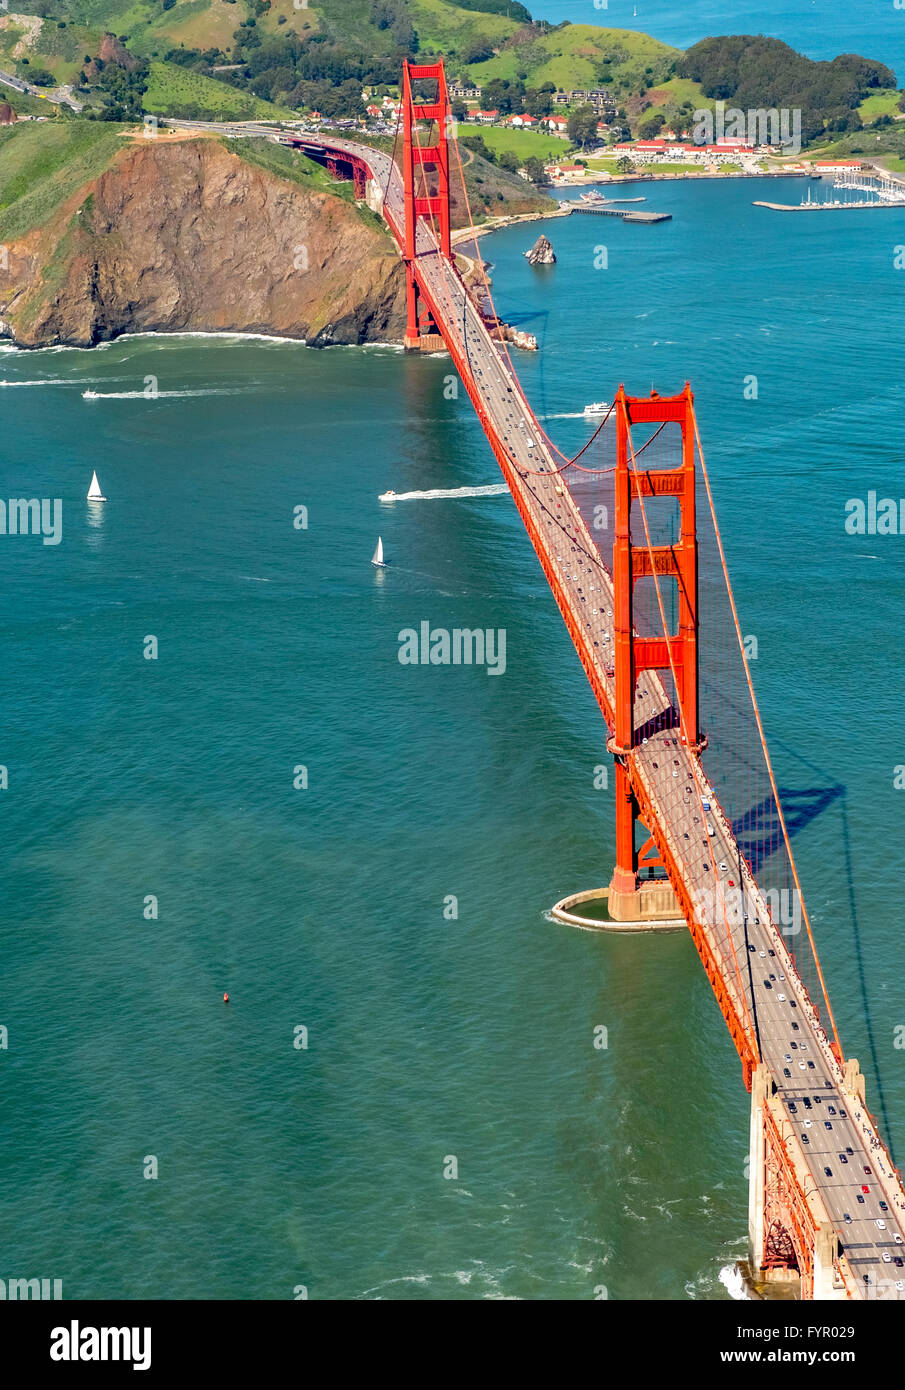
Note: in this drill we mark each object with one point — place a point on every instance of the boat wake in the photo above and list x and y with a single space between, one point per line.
493 490
45 382
143 396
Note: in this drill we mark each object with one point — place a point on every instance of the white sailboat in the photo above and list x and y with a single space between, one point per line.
377 558
94 492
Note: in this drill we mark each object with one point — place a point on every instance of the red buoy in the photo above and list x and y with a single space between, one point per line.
226 998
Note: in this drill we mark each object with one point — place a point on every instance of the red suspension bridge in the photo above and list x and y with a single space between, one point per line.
826 1203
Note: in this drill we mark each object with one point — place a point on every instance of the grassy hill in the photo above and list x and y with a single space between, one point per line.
42 164
578 56
172 89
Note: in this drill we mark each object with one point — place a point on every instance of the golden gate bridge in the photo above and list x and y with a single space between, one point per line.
701 830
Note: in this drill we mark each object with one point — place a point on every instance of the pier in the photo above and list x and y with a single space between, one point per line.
627 214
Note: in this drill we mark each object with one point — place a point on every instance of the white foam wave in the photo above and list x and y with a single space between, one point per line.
567 415
492 490
733 1281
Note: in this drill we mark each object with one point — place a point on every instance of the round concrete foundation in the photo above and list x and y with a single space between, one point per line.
564 911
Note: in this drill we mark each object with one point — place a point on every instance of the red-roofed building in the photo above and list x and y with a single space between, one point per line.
485 117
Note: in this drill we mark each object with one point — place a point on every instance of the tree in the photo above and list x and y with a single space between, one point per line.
505 97
650 127
538 102
582 126
536 172
476 144
625 165
509 161
458 108
478 51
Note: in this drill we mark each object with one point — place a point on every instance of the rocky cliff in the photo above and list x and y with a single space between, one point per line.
187 235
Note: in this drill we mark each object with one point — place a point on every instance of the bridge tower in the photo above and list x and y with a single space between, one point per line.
676 653
421 163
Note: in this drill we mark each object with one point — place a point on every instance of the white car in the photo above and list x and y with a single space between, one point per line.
881 1224
802 1066
897 1238
724 868
900 1287
887 1258
782 1000
710 829
807 1124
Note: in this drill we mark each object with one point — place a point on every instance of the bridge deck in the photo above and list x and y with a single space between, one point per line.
835 1131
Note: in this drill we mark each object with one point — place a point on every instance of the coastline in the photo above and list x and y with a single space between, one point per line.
601 180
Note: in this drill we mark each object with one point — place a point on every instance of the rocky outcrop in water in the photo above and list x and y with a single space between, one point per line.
541 253
185 235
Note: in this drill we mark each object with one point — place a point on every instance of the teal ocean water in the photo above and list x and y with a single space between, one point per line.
819 28
429 1035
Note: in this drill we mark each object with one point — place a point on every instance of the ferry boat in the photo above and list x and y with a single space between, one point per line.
388 496
597 408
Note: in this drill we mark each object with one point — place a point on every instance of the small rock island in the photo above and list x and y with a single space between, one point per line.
541 253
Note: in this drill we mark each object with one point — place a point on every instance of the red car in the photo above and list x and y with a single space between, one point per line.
864 1188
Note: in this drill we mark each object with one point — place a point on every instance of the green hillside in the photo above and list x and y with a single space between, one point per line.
582 55
174 90
41 165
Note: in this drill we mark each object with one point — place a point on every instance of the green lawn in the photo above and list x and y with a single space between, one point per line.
41 165
172 88
523 143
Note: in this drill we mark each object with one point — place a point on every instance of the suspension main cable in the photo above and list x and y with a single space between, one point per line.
683 724
763 739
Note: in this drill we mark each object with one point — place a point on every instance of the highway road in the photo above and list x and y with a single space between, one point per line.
55 94
849 1165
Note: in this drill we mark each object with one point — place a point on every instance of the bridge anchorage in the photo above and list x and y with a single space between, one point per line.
826 1211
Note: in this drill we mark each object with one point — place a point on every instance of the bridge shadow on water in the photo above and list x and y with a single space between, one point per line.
759 835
